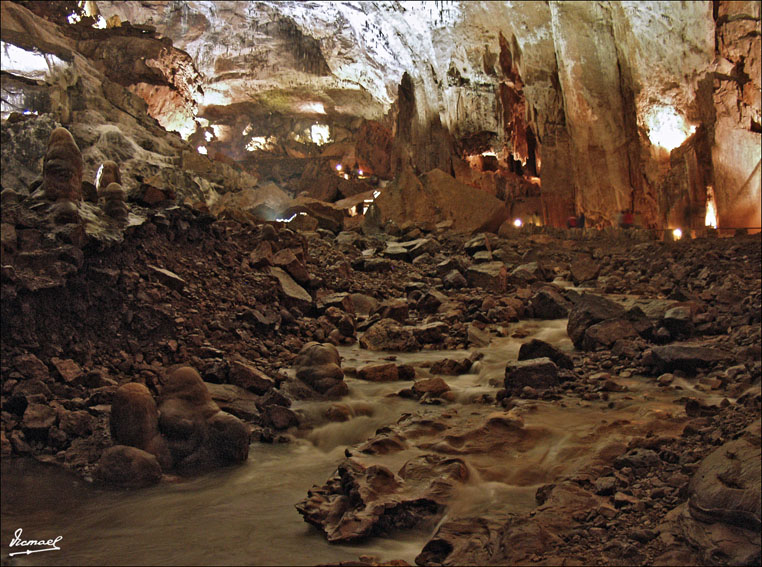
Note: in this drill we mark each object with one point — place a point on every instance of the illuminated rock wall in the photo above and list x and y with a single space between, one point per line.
597 92
737 139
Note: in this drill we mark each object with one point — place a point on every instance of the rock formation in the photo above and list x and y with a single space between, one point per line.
62 168
319 366
198 434
115 204
135 422
187 432
109 173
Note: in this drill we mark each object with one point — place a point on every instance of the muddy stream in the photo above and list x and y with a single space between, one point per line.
246 515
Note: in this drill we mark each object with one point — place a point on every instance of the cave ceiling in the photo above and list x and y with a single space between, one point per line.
347 58
597 100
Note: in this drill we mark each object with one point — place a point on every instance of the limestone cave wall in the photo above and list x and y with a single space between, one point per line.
553 106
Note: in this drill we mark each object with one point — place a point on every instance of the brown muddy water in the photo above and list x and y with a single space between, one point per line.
245 515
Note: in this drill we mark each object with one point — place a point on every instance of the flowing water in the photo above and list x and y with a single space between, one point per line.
245 515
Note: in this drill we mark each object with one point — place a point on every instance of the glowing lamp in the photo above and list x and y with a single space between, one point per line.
338 167
677 234
518 223
359 172
711 212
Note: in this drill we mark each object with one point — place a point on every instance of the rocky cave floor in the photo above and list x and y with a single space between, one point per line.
80 318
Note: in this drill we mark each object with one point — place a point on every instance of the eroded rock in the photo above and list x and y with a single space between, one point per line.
319 366
388 334
360 500
62 167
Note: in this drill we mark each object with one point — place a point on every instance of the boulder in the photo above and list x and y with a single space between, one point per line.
128 467
454 280
431 301
726 488
343 322
492 276
396 309
168 278
638 458
721 519
382 372
250 378
395 251
293 292
263 201
451 366
68 370
678 321
421 246
185 384
319 366
31 367
537 373
279 417
589 310
288 261
38 419
584 269
687 358
433 386
228 437
539 349
262 255
532 272
548 303
477 337
438 197
429 333
234 400
606 333
388 334
340 300
76 423
361 500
